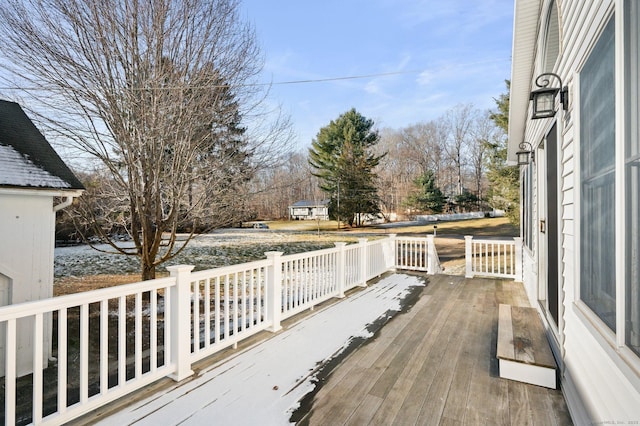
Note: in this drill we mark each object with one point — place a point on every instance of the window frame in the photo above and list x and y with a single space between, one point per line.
610 171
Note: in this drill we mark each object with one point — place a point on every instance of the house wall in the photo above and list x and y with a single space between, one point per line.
311 212
27 230
600 379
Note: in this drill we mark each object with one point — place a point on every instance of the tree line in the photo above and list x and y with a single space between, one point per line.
454 163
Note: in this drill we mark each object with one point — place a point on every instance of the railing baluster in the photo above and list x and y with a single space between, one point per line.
244 300
260 296
37 368
235 303
62 361
226 306
10 374
104 346
493 260
84 353
195 319
252 299
168 320
207 313
216 309
153 325
138 336
122 340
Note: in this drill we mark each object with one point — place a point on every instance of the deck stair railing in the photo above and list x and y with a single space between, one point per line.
493 258
107 343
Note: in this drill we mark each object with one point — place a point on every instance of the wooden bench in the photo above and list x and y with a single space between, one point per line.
523 349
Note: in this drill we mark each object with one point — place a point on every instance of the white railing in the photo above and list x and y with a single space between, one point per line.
417 254
493 258
108 343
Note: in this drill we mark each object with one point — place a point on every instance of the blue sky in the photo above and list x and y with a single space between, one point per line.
439 53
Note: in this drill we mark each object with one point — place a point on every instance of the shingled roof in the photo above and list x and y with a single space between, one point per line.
27 160
308 203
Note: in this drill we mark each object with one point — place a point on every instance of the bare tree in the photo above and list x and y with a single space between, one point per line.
459 122
396 170
160 93
275 189
484 132
422 143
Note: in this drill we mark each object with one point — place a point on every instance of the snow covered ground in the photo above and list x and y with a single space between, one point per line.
221 248
265 383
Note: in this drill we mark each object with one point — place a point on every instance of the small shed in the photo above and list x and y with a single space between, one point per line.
306 209
33 180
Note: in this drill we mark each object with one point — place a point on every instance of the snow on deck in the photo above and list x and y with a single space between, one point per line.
264 384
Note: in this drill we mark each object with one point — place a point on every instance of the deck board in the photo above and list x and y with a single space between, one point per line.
437 365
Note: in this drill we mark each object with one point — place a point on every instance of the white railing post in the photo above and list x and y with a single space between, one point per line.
518 260
180 296
274 289
468 241
391 256
363 261
433 262
340 278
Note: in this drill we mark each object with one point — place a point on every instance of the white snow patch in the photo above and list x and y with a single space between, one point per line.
264 384
20 171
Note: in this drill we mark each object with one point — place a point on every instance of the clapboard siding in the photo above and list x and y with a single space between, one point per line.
27 224
606 391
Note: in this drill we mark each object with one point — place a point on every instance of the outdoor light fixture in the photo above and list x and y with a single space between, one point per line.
525 155
545 97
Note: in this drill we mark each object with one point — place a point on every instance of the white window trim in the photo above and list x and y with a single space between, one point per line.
620 184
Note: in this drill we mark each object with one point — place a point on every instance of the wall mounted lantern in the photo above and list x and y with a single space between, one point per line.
545 97
525 155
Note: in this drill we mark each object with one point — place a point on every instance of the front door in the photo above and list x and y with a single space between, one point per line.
551 223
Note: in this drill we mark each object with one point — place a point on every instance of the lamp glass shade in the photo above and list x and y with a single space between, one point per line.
523 157
543 103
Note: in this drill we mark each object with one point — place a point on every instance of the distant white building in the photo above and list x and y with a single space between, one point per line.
305 209
31 176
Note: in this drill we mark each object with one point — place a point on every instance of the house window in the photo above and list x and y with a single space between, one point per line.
552 39
597 179
632 176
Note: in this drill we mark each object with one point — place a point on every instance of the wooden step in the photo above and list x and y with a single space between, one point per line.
523 349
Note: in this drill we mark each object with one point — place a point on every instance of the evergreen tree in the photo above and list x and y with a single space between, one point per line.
429 197
343 159
504 192
467 200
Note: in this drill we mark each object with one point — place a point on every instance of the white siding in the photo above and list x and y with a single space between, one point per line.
27 225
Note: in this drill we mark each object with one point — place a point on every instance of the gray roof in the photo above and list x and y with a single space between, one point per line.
307 203
27 160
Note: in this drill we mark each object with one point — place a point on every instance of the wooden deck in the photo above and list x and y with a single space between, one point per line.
436 364
432 364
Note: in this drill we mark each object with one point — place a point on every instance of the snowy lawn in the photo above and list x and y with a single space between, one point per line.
227 247
265 383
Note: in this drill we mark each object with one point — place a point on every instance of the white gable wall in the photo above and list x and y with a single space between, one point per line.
27 229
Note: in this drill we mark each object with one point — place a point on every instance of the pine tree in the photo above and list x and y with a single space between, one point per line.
429 197
504 192
343 159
